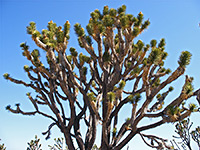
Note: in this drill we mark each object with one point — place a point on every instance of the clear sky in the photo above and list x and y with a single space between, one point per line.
175 20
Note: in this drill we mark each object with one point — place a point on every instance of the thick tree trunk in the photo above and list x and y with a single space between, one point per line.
68 141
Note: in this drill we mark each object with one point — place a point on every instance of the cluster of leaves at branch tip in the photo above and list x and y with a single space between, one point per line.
24 46
91 96
134 98
79 30
26 68
193 107
6 75
184 59
52 36
98 22
111 96
28 94
83 59
188 87
173 112
73 52
122 84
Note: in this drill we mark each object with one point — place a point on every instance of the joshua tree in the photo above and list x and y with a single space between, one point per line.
92 85
183 130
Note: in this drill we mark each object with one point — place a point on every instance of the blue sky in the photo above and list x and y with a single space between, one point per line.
176 21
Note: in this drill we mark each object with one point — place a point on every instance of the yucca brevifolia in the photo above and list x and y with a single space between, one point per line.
183 130
113 60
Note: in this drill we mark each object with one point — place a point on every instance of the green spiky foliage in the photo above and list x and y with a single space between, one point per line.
73 52
125 73
83 59
31 28
67 29
24 46
173 112
154 56
6 75
91 96
122 85
111 96
26 68
153 43
188 87
54 36
162 43
79 30
134 98
184 59
28 94
193 107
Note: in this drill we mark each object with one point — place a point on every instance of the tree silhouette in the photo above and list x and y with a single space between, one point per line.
183 129
34 144
92 87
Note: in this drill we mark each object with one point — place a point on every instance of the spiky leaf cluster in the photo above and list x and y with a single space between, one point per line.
193 107
111 96
134 98
54 36
79 30
122 84
109 18
73 52
184 58
83 59
6 75
26 68
173 112
188 87
91 96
